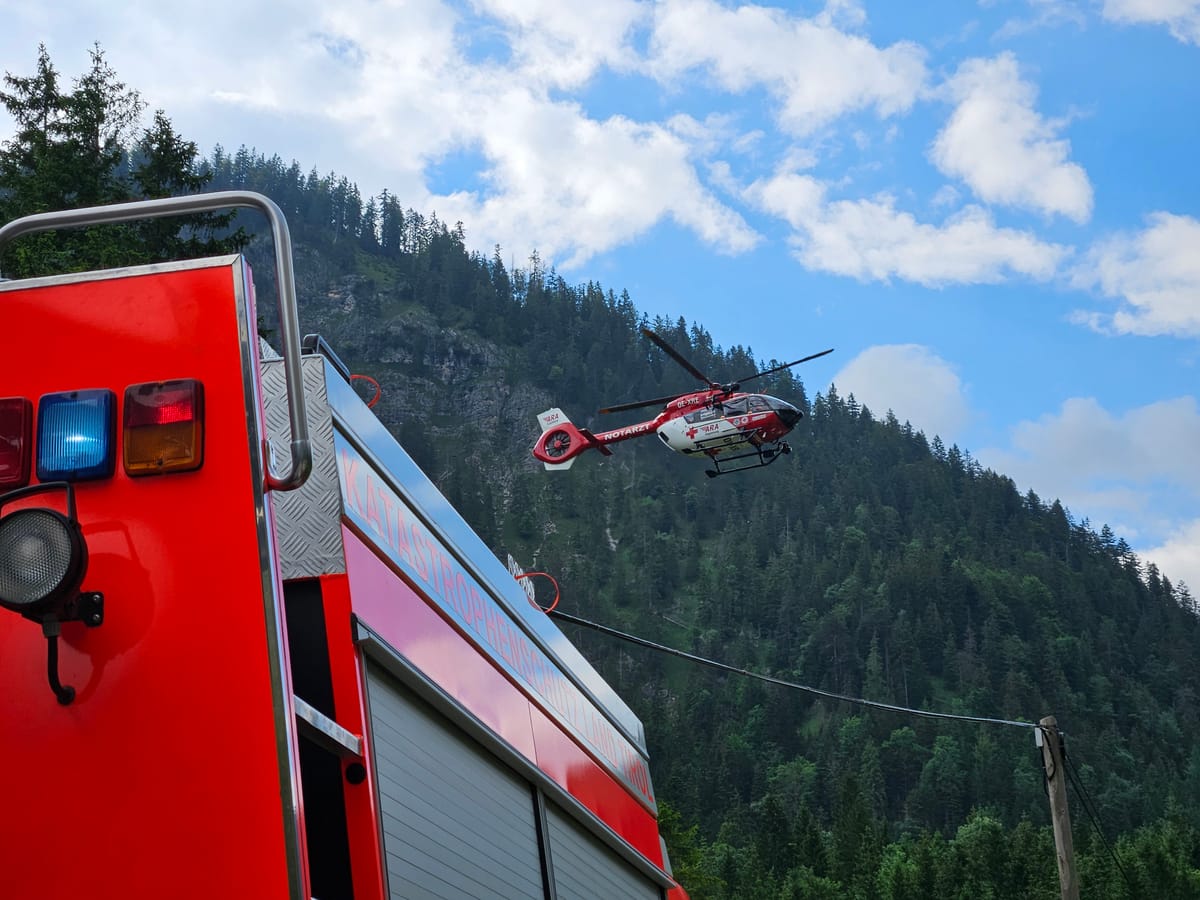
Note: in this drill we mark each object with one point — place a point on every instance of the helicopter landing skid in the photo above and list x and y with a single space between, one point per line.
762 455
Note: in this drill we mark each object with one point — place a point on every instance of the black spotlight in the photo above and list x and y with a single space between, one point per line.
43 558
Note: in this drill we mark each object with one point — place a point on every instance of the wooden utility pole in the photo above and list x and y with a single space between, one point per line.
1050 740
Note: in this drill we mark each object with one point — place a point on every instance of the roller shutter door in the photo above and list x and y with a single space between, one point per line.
456 823
586 869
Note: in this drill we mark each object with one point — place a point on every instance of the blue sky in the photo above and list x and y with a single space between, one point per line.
991 210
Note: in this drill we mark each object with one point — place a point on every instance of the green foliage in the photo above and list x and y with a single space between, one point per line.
81 148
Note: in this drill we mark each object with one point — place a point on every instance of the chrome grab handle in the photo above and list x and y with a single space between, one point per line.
285 281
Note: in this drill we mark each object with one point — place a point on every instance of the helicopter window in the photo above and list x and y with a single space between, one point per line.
707 414
735 406
757 403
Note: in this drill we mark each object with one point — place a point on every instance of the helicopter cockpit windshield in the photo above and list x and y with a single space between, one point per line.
743 405
787 413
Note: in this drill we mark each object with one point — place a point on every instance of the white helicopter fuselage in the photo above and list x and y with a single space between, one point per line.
729 426
711 436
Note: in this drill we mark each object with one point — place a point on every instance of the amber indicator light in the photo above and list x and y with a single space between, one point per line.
163 427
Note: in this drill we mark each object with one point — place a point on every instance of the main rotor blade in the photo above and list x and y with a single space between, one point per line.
658 401
671 352
785 366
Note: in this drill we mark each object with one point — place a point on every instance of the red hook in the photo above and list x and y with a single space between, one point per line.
549 608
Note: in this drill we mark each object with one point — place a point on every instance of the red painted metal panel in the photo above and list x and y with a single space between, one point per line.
346 671
402 618
386 522
562 759
162 779
411 626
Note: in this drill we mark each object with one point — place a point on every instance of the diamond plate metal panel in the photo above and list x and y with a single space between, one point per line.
308 520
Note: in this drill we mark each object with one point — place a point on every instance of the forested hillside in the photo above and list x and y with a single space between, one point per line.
873 562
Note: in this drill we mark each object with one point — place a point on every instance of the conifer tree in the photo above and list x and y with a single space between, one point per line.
81 148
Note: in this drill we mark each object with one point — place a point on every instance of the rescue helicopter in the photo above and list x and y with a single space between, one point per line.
719 423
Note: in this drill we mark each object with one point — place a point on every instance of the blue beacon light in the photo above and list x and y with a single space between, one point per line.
76 435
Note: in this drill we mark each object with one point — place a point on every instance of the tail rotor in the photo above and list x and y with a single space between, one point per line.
560 441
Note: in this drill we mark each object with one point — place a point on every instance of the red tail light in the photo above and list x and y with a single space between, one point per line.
16 428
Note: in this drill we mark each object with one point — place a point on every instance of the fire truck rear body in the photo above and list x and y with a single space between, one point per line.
332 691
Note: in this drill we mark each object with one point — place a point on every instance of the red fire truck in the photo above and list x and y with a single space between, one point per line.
247 649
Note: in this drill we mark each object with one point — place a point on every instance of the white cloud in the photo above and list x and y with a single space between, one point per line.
386 91
1135 471
872 240
1085 441
572 187
998 144
1156 272
552 178
1182 17
846 13
913 382
372 90
815 71
1043 14
389 87
1178 557
564 44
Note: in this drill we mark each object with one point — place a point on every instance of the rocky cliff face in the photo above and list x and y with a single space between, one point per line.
445 392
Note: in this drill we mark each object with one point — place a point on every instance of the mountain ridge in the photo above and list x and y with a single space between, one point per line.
872 562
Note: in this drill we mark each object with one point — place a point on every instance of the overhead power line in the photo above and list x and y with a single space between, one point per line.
724 667
1090 808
